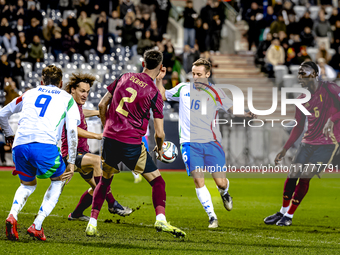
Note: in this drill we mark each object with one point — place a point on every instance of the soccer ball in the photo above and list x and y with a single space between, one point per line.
170 152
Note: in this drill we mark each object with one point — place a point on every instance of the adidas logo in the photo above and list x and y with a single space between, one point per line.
187 94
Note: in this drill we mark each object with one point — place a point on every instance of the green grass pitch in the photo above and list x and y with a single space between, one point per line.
315 228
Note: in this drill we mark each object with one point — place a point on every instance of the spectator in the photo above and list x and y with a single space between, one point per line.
323 53
296 45
278 25
84 44
336 37
185 58
36 53
5 70
22 46
335 61
72 22
125 7
20 27
34 13
162 15
69 44
202 36
9 12
293 27
64 27
129 35
291 58
114 22
284 40
21 11
288 8
334 17
321 30
275 56
147 6
307 37
268 18
57 44
102 43
86 23
326 72
189 15
95 13
218 21
303 55
82 5
262 50
18 73
145 43
253 32
155 36
306 21
102 21
34 29
48 32
4 29
278 7
8 37
146 21
11 91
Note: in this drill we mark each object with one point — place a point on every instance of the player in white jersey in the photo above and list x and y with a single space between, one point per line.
199 137
44 111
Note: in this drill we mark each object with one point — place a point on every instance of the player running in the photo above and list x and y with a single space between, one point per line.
319 143
87 164
125 122
199 139
44 109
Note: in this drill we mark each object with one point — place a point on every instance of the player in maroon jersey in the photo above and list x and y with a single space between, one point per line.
87 164
319 143
130 99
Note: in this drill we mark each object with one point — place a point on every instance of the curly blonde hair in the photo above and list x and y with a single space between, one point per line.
75 79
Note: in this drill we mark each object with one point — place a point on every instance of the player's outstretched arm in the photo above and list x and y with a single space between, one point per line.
103 107
159 135
90 113
89 135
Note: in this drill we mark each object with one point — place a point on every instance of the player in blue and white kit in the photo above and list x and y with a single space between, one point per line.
200 139
44 111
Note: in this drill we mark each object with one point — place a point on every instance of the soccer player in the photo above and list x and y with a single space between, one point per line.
87 164
200 141
130 99
319 143
44 109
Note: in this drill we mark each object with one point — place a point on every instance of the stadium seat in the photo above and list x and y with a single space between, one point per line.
294 69
70 68
68 12
38 67
49 58
93 60
107 59
101 69
314 12
289 80
280 71
85 67
300 11
27 67
77 59
312 53
63 59
329 10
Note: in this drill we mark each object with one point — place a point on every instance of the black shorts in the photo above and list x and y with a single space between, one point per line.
315 154
79 159
134 156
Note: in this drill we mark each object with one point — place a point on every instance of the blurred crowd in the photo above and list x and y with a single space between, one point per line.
282 38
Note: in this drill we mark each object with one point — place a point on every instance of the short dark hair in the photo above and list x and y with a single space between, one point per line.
52 75
312 65
203 62
75 79
152 59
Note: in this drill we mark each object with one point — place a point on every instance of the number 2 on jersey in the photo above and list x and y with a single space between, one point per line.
43 106
126 100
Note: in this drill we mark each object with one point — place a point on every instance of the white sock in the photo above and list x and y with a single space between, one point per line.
223 191
93 222
288 215
160 216
50 200
284 210
135 175
204 197
20 198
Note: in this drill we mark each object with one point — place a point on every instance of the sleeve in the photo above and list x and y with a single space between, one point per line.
225 100
335 90
297 130
72 122
13 107
113 85
157 106
174 93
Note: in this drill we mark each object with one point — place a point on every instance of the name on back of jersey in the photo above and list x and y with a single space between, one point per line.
51 91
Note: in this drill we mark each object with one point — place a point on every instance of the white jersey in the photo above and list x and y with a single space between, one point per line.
44 110
193 125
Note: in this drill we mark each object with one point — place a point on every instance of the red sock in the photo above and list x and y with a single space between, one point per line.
109 197
158 195
99 196
84 202
300 192
288 191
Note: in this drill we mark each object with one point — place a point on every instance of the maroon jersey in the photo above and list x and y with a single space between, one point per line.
322 107
82 142
128 116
